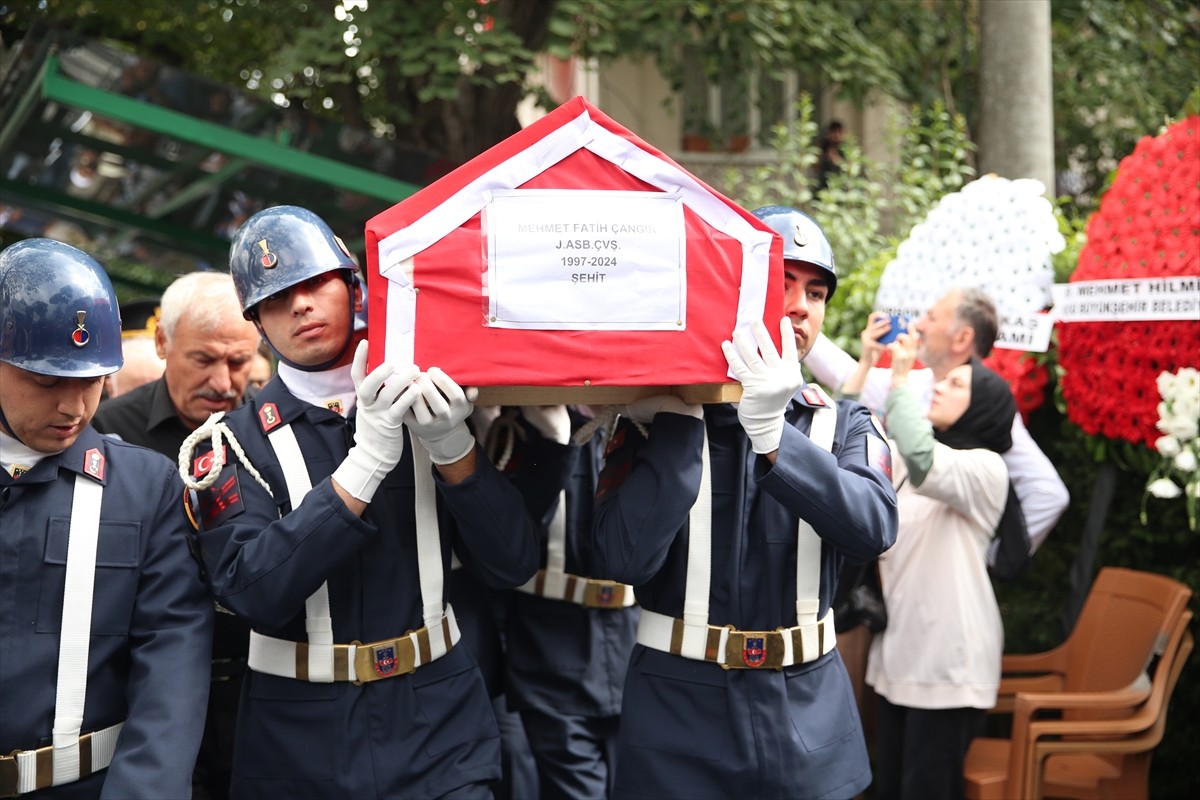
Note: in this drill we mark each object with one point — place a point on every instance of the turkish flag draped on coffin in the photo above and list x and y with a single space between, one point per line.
572 254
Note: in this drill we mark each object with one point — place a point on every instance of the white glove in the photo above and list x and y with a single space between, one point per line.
644 409
384 397
439 417
552 422
768 379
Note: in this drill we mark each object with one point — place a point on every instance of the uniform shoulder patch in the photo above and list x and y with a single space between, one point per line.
223 500
202 463
879 455
619 456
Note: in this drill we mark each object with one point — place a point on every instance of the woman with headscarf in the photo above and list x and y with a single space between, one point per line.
936 668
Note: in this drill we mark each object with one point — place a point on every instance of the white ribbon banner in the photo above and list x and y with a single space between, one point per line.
586 260
1132 299
1029 332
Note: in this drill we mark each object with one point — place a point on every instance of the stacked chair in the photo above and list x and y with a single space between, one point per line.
1087 715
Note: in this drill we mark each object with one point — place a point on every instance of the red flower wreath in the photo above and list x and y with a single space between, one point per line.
1148 226
1026 377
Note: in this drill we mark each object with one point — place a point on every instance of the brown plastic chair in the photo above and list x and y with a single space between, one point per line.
1108 715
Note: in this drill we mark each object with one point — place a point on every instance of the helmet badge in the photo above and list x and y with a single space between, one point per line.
269 259
800 238
80 335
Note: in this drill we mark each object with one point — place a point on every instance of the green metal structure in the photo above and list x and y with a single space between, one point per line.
152 170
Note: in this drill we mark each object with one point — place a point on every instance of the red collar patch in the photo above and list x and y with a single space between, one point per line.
93 463
812 397
268 417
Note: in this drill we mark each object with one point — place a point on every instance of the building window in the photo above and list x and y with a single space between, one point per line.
737 112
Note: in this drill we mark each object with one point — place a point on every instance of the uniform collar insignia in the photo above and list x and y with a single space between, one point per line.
812 397
94 463
268 416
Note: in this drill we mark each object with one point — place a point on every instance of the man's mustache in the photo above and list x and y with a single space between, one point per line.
208 394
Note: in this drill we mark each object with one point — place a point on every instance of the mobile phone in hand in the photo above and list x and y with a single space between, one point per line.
899 325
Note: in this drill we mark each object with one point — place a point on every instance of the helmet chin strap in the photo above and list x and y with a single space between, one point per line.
8 428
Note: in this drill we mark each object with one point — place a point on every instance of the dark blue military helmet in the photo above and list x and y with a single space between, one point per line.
280 247
803 239
58 311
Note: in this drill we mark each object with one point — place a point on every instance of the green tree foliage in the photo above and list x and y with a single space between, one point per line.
448 75
733 36
1120 70
868 207
934 45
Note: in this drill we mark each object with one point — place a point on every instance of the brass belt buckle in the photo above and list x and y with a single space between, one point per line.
754 650
603 594
375 661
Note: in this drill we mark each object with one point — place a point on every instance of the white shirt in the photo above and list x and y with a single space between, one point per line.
944 637
1042 493
14 453
331 388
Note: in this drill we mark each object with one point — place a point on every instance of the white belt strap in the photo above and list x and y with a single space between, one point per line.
554 577
735 649
699 568
325 661
95 748
808 543
556 583
556 544
430 570
696 634
318 621
70 755
586 592
75 639
358 662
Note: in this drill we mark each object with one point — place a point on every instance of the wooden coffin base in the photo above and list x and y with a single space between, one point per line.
604 395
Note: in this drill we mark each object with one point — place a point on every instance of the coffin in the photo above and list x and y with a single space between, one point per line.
571 263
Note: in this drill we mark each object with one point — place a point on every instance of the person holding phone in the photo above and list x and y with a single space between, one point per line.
936 667
898 324
962 324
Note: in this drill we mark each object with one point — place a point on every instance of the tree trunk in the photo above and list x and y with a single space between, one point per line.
481 116
1016 125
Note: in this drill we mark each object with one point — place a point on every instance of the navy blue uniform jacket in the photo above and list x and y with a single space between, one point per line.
148 661
564 658
690 728
420 735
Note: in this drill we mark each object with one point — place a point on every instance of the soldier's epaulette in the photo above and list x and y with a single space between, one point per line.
810 398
